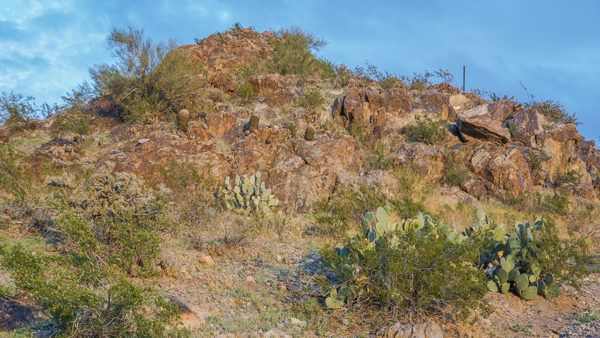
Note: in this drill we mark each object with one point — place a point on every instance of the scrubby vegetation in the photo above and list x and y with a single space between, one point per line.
426 132
412 265
121 210
149 81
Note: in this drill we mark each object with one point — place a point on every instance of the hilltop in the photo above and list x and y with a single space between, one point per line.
133 182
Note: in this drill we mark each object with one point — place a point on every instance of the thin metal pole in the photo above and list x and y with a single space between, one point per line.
464 77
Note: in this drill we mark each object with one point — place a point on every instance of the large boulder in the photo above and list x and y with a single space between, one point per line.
428 160
506 167
526 125
480 124
435 103
312 172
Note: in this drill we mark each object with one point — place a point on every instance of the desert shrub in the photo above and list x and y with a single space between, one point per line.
553 110
72 121
14 178
293 52
425 132
115 219
334 215
148 81
534 260
556 203
108 306
311 100
248 195
413 266
455 174
407 207
246 92
567 178
15 108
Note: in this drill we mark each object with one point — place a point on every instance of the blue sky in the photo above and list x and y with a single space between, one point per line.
552 47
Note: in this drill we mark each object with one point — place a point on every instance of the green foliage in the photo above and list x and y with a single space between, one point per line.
14 180
406 207
588 317
148 81
414 265
567 178
293 52
246 92
114 219
248 195
456 174
425 132
311 100
345 207
553 110
533 261
72 121
557 203
15 108
107 306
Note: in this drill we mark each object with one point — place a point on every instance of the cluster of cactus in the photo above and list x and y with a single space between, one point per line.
383 221
248 195
381 224
512 265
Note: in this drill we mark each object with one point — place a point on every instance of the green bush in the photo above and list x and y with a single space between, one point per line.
405 266
554 111
114 219
74 121
425 132
345 207
14 179
246 92
311 100
293 53
407 207
534 260
108 306
148 81
15 108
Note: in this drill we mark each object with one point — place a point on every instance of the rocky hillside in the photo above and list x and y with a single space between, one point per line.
329 143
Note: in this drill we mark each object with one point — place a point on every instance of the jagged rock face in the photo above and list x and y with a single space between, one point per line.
525 125
483 124
439 104
428 160
221 53
368 108
161 149
276 89
312 172
506 168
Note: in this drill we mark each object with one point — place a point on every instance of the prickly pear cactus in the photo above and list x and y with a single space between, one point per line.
248 195
513 263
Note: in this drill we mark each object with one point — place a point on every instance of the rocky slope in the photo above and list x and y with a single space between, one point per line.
498 151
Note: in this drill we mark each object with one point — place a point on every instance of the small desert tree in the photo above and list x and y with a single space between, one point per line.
148 81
